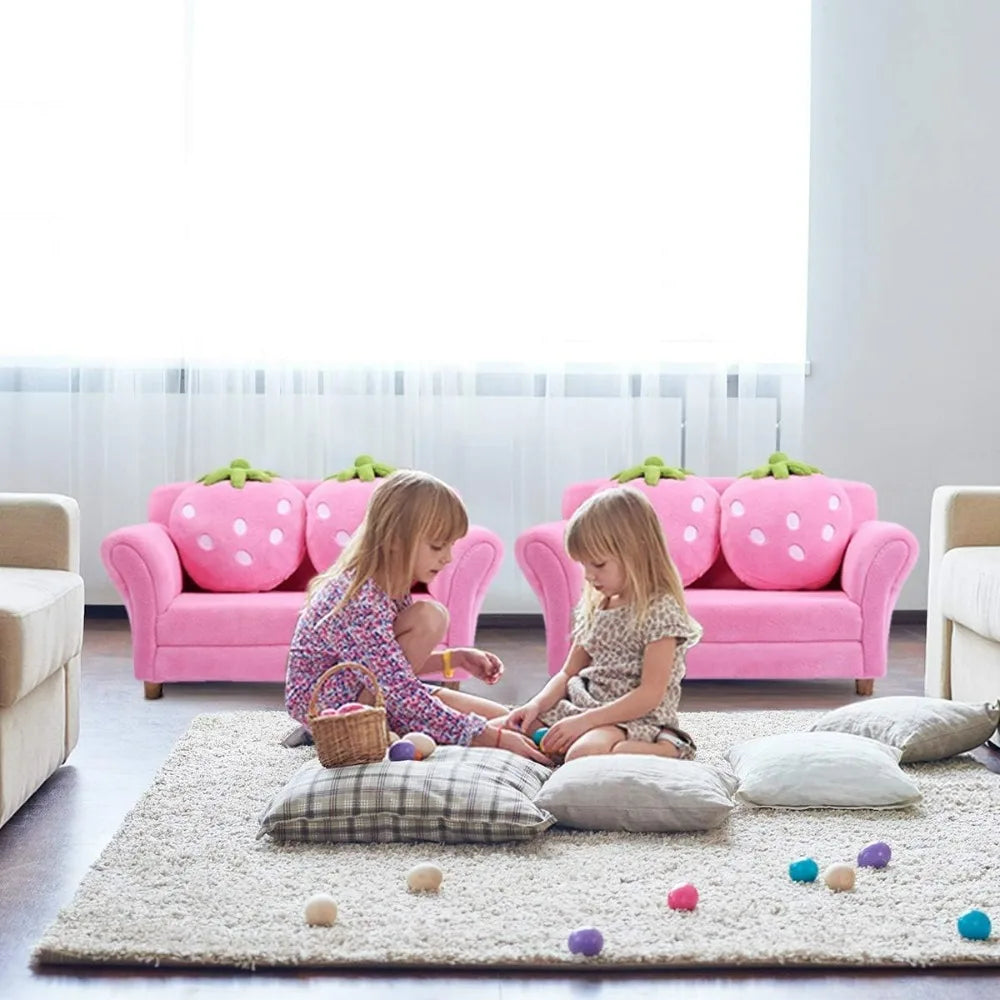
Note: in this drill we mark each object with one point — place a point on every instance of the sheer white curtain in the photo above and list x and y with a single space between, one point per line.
516 244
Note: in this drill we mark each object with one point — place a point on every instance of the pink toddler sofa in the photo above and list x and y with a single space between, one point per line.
181 632
840 630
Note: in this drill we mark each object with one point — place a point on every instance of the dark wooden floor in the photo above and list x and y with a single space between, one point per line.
47 847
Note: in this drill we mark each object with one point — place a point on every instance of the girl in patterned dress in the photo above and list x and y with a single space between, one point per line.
619 688
361 610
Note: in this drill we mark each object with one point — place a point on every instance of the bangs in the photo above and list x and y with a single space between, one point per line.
446 519
587 540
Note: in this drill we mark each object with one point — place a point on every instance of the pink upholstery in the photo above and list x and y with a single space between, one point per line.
181 633
839 631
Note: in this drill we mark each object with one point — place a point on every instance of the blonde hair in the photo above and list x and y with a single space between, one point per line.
621 524
407 508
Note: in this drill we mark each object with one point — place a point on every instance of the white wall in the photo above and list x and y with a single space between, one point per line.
904 272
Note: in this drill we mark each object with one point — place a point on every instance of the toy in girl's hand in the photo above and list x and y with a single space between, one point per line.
975 925
803 870
425 744
875 855
683 897
586 941
538 735
402 750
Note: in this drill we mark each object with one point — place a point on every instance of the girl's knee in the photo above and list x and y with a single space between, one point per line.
426 617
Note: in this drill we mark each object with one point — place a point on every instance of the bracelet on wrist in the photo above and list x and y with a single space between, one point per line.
447 670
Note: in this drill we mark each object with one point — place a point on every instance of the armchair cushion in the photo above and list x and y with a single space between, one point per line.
786 534
41 627
239 540
333 512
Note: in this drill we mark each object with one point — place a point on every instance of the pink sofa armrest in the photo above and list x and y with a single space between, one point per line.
145 568
877 561
463 583
556 580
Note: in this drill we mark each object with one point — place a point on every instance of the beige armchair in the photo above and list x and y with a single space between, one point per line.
41 635
963 595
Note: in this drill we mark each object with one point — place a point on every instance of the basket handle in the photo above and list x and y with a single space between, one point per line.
336 668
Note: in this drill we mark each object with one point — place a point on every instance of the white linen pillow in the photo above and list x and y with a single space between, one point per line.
922 728
638 793
821 771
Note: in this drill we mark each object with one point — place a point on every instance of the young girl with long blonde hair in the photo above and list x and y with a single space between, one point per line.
361 610
619 689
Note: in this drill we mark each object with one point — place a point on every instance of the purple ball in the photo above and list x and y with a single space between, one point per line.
875 855
402 750
586 941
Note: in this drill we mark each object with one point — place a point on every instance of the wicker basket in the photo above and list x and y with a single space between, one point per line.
359 737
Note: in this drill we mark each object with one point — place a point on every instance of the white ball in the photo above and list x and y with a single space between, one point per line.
424 743
321 910
424 878
840 878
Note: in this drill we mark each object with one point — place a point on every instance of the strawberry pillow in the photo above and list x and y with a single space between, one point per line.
688 508
785 526
239 530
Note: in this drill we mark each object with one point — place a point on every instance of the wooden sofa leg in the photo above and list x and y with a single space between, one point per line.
864 685
152 691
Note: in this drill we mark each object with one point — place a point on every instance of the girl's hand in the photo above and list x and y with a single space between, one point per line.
487 667
504 739
523 719
564 734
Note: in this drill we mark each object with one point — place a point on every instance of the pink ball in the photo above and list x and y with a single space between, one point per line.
329 711
683 897
351 706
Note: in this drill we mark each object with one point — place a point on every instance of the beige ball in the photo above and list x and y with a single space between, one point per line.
840 878
393 738
424 878
321 910
424 743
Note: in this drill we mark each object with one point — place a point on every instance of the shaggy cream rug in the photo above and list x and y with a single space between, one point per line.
184 882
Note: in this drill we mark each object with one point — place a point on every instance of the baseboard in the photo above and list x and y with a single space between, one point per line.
97 612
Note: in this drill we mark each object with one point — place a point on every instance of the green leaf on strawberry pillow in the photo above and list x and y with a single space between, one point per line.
365 468
652 470
239 472
780 466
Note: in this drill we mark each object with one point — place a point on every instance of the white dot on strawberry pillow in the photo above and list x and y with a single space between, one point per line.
284 506
243 557
276 537
206 542
757 536
240 526
737 509
188 510
834 502
698 504
323 511
797 552
342 538
690 533
828 532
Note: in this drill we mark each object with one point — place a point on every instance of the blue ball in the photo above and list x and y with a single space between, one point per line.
402 750
803 870
974 924
538 735
586 941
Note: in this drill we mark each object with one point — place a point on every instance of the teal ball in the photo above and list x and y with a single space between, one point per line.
974 924
538 735
803 870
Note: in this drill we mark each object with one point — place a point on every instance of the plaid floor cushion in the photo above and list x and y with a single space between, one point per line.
459 794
